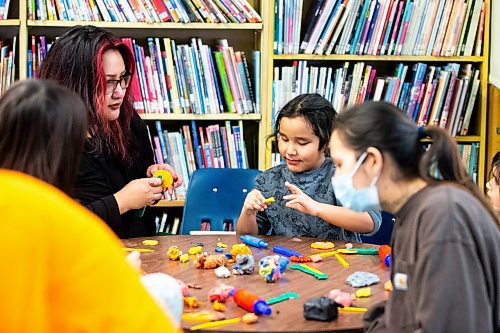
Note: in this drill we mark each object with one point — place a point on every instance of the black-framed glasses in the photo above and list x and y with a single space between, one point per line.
123 80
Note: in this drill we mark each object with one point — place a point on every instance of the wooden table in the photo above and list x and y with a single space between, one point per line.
287 316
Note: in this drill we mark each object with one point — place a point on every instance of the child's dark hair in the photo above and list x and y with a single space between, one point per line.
385 127
318 112
495 167
42 131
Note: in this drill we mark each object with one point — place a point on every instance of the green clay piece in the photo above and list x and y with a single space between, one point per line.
365 251
282 297
308 271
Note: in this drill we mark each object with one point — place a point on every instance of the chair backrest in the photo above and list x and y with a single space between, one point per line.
216 196
384 234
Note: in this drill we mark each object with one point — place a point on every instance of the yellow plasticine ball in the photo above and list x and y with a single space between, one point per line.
195 250
240 249
364 292
165 176
269 200
173 252
184 258
150 242
322 245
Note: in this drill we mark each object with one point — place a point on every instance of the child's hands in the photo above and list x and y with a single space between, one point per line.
301 201
254 202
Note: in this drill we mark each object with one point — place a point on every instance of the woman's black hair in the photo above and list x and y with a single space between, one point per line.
385 127
495 167
42 131
316 110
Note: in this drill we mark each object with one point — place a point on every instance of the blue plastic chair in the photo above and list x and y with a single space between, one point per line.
216 196
383 236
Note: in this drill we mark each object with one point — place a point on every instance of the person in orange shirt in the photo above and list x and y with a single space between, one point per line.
63 269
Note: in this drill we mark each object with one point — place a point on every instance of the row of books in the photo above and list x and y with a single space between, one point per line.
443 96
381 27
167 224
193 148
4 9
7 64
184 11
187 78
468 151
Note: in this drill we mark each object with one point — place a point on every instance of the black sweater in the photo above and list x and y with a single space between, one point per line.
101 176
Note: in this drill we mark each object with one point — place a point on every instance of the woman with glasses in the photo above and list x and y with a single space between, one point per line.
114 178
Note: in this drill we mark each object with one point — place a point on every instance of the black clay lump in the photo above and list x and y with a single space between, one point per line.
321 308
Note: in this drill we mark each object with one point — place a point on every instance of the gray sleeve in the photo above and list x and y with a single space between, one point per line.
262 220
377 220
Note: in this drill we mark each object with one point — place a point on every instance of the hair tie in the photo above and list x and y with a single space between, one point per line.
421 132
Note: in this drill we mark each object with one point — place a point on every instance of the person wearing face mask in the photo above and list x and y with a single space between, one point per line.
446 240
114 178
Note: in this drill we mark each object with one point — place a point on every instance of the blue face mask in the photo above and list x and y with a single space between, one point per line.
361 200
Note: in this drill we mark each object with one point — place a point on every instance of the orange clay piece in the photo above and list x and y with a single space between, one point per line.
192 302
219 306
210 261
174 252
322 245
240 249
300 259
388 286
250 318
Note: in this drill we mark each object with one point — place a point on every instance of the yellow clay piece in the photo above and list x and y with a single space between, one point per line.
269 200
165 176
221 245
174 252
150 242
219 306
184 258
195 250
364 292
322 245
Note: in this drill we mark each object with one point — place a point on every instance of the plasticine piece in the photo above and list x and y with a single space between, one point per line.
348 246
184 258
285 251
219 249
219 306
240 249
369 251
321 308
184 287
222 272
322 245
269 201
346 251
316 258
364 292
281 298
165 176
319 276
150 242
202 316
193 285
174 252
191 302
362 279
340 297
221 245
388 286
250 318
210 261
295 239
195 250
220 293
272 267
229 256
300 259
245 264
200 244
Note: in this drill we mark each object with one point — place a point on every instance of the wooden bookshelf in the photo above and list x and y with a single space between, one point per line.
212 117
482 62
139 25
169 203
335 57
10 23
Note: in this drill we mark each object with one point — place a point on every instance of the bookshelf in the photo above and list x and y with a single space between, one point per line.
242 36
385 64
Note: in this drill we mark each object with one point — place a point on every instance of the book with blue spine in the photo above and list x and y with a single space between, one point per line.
361 19
196 144
160 137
